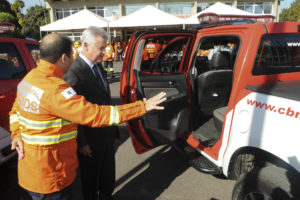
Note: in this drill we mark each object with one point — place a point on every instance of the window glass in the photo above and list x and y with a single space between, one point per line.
176 8
111 11
132 8
215 53
59 15
34 51
11 64
256 7
241 6
249 7
228 4
65 12
267 7
97 10
163 54
278 53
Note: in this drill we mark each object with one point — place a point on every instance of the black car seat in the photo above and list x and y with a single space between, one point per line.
201 64
214 86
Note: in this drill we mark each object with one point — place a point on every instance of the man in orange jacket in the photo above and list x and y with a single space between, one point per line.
44 119
150 47
108 59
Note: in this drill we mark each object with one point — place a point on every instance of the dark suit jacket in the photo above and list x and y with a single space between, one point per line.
84 82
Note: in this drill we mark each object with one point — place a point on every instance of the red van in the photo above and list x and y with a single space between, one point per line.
18 55
232 101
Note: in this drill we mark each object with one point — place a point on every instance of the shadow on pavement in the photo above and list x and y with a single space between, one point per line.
163 167
115 78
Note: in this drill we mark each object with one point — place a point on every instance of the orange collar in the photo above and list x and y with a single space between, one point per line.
50 68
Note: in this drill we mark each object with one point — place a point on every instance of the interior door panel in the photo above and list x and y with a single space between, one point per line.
172 122
144 76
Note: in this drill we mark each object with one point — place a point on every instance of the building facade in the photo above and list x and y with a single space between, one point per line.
115 9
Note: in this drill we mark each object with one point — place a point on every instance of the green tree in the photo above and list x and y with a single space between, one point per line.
7 17
16 6
292 13
7 14
35 17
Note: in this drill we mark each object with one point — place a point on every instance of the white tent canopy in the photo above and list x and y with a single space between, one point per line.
147 16
219 9
78 21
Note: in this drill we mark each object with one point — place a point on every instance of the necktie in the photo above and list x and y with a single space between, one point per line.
99 76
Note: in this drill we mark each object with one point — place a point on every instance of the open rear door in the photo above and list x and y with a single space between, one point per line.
145 75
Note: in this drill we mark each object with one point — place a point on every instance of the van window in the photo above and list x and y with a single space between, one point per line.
164 54
277 53
11 64
34 51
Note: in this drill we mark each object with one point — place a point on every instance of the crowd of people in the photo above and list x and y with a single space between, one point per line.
118 49
114 52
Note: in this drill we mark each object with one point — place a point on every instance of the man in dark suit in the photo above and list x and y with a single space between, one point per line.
95 145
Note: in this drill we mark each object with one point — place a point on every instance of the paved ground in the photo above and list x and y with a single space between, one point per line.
160 174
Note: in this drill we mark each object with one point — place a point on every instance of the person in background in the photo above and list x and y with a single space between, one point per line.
158 46
150 47
44 118
119 52
164 44
76 49
126 47
108 59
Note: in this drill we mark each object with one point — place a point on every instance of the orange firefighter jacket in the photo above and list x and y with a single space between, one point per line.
157 47
45 115
151 49
145 55
109 53
75 52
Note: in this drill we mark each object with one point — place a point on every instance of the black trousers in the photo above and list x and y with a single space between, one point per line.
98 173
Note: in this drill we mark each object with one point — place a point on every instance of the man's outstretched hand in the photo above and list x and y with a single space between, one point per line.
153 102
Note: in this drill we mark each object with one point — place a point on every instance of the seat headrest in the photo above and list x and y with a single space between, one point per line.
220 60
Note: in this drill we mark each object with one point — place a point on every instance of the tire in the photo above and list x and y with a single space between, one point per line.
267 183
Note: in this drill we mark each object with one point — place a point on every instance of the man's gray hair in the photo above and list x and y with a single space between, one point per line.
89 34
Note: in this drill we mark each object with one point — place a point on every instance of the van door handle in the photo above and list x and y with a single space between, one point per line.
2 96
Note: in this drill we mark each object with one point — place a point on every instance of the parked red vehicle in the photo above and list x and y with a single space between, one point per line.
17 57
232 102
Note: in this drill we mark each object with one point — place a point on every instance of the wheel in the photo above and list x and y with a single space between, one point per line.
267 183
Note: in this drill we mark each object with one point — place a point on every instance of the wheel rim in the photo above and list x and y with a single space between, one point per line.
257 196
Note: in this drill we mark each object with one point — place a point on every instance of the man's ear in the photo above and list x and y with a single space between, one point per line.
84 45
64 58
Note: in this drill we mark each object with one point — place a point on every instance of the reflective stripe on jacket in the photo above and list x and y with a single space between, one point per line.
45 115
109 53
151 49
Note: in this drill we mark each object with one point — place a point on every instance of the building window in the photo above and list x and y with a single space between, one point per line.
256 7
107 11
132 8
97 10
112 11
73 36
65 12
203 6
177 8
